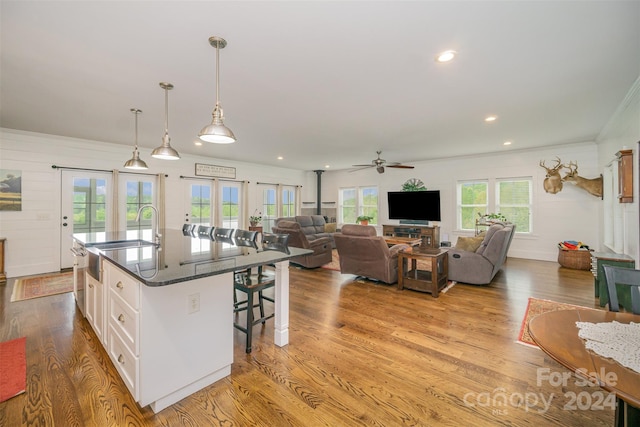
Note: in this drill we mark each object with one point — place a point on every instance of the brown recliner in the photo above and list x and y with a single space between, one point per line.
321 246
363 253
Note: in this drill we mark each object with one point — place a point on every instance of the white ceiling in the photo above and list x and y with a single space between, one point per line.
320 82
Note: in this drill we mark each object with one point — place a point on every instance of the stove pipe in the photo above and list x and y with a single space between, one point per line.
318 191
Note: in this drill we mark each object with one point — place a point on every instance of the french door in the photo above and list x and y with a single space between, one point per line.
85 208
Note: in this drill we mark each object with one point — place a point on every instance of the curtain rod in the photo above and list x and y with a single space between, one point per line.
101 170
270 183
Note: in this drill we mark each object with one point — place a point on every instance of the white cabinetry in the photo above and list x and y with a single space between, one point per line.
163 349
95 306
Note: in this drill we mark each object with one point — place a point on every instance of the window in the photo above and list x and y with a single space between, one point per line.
89 205
513 200
358 201
139 193
473 201
511 197
200 204
229 205
269 208
288 201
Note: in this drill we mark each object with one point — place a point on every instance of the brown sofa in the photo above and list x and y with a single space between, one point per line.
321 246
479 266
313 226
363 253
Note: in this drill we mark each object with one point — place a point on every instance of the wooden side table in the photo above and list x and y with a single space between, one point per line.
420 280
256 228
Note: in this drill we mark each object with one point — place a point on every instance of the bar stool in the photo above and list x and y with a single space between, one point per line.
250 282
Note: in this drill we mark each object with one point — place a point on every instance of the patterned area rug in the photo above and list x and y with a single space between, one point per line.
537 306
42 285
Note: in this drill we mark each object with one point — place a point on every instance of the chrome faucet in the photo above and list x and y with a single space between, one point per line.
157 225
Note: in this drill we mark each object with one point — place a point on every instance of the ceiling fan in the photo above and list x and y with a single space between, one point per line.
379 164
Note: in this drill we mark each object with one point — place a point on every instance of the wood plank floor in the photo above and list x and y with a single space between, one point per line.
360 353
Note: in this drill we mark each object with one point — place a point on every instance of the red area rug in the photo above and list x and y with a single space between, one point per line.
537 306
42 285
13 368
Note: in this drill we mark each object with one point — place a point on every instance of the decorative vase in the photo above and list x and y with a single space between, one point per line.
253 223
364 222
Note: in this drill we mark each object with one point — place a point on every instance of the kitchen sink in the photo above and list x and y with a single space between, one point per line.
122 244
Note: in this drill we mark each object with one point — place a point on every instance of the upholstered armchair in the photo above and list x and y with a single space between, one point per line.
321 246
478 264
363 253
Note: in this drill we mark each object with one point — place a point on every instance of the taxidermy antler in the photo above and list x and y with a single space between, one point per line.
553 182
592 186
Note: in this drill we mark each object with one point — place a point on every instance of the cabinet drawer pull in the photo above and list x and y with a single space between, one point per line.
121 359
119 285
121 318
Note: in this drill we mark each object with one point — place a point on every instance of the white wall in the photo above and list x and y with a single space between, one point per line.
33 234
571 214
623 131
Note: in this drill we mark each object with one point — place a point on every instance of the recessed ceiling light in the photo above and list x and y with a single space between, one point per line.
327 166
446 56
280 158
198 143
507 143
491 118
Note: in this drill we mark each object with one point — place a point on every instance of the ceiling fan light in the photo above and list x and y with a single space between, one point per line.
380 169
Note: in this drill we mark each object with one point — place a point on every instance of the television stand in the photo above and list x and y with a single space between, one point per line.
430 235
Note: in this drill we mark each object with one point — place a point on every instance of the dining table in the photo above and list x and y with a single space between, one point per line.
556 333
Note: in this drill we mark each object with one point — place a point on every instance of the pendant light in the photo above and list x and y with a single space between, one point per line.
217 132
135 162
165 152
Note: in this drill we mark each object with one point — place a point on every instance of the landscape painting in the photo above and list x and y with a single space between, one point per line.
10 190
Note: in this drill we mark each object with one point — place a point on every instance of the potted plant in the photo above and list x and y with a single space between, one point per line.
364 219
255 219
492 217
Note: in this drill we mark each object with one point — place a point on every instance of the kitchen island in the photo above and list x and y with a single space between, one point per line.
164 313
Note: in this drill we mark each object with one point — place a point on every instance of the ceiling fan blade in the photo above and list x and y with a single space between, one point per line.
400 166
363 166
359 169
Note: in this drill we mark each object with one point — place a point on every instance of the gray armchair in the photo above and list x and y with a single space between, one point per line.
321 246
363 253
480 266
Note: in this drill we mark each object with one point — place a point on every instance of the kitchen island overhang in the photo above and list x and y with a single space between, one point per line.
162 347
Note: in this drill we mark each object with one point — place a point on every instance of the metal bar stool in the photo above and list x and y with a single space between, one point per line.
250 282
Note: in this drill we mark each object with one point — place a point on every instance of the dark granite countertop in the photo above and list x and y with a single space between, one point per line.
180 258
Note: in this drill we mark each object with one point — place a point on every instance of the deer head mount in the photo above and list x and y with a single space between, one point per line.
553 181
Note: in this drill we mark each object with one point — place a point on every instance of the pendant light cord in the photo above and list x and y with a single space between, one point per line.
217 75
166 110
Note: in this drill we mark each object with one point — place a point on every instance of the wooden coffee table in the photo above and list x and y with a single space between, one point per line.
402 240
419 280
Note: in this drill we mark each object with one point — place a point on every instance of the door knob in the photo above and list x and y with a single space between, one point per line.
64 224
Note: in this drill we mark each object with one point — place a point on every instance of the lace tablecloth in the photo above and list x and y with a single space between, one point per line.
617 341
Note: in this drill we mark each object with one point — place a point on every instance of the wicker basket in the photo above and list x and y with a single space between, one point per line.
576 259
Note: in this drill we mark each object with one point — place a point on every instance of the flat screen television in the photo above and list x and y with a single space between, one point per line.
414 205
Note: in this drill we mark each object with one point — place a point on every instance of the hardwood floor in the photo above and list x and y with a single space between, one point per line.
360 353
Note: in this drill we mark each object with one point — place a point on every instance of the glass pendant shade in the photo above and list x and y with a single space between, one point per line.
217 132
135 162
165 151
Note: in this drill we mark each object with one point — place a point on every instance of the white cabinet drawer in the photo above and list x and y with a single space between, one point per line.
126 321
124 361
125 286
